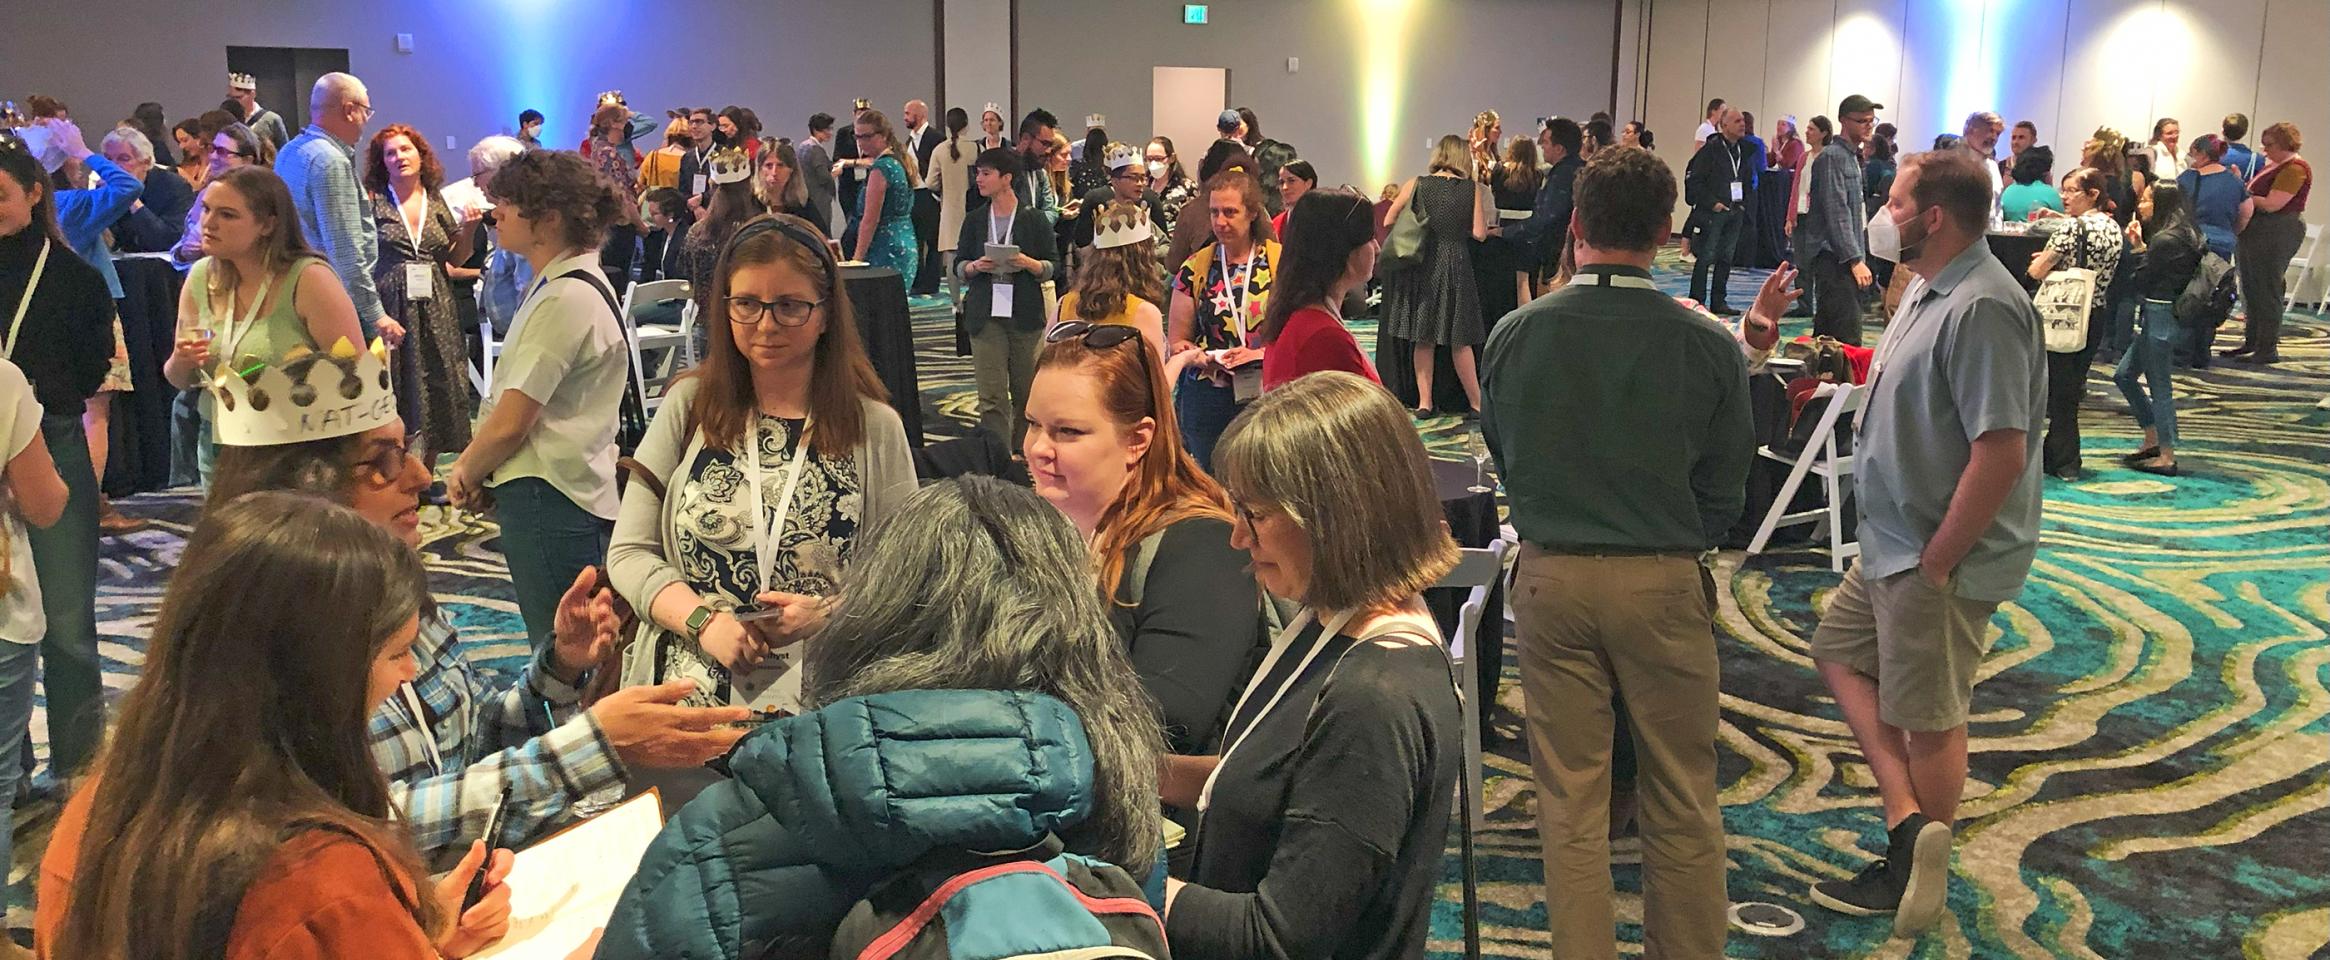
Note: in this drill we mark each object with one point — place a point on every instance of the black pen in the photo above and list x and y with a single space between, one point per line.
492 835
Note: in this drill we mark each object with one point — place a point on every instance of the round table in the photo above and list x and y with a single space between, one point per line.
2015 249
886 325
1472 521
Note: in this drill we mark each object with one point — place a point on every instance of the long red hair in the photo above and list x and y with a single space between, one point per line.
1167 485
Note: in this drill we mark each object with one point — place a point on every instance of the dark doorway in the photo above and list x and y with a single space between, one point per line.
285 76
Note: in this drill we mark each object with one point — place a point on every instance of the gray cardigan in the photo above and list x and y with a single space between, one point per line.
639 560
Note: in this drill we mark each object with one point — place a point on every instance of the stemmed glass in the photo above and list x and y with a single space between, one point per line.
1478 446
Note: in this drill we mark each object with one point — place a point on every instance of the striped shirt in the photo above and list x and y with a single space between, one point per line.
446 765
321 172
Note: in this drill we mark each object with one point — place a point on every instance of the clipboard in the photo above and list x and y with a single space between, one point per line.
564 887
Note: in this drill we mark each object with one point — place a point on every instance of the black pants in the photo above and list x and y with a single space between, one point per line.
616 255
926 215
1717 248
1837 310
2066 387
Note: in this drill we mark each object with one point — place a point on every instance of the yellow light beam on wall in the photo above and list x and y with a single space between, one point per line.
1382 31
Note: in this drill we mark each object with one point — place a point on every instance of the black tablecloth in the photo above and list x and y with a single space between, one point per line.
2015 251
1766 242
887 327
139 457
1472 520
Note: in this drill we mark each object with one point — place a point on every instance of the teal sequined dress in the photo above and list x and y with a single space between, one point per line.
894 245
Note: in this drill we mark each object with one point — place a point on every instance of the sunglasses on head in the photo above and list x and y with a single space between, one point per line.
10 142
1098 336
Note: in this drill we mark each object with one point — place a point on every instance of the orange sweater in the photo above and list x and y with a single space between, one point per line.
323 896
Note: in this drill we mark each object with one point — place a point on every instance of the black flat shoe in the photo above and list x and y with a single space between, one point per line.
2139 456
2067 474
1426 413
2158 469
2260 360
2237 352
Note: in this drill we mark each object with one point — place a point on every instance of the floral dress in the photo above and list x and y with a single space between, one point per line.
893 245
434 391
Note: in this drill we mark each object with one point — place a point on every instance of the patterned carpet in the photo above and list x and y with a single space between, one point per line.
2151 741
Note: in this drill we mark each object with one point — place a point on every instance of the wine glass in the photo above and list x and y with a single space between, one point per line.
1478 446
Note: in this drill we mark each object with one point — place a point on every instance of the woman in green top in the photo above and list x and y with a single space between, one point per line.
259 294
2030 189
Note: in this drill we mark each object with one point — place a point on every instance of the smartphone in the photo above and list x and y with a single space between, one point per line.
755 614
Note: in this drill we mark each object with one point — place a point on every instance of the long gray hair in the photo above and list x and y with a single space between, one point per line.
978 584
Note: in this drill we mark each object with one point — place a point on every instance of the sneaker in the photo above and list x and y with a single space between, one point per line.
1875 891
1923 847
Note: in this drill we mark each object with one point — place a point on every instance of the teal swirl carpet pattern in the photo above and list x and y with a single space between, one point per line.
2150 741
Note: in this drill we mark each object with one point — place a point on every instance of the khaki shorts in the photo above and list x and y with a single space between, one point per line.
1920 643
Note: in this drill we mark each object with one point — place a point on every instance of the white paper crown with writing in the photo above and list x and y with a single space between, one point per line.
1121 225
728 166
306 396
242 81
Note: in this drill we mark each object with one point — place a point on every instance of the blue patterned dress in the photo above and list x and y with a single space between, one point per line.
894 244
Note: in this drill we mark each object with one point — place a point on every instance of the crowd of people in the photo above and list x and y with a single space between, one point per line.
1193 649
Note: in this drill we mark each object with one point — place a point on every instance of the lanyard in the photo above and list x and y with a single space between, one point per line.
232 337
1008 223
1895 332
767 534
412 226
421 722
1238 293
1618 280
1733 151
39 266
1278 644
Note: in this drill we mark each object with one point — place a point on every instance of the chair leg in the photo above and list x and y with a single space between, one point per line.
1835 520
1779 506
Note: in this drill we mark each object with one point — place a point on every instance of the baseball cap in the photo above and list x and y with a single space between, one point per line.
1229 120
1858 104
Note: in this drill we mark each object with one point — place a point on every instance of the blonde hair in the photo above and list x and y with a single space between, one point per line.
881 122
1452 155
2284 134
1343 460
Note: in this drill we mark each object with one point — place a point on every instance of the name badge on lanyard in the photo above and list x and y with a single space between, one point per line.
1004 285
420 274
768 534
1738 188
1278 646
1245 381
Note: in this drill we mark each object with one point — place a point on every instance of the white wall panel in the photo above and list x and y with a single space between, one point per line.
2027 45
1797 63
1739 47
2296 84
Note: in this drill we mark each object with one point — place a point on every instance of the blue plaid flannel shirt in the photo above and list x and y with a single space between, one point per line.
533 736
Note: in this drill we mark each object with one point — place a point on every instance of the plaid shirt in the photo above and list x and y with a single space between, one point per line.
321 172
446 769
1837 217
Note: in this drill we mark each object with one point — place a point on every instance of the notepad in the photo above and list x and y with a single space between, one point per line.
564 888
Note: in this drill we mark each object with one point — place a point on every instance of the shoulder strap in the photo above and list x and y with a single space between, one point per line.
606 292
1137 572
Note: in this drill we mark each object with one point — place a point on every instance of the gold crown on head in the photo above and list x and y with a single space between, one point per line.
1121 225
862 104
728 165
612 96
305 396
242 81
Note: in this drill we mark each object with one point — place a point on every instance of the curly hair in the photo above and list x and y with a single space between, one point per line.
561 181
1624 198
376 158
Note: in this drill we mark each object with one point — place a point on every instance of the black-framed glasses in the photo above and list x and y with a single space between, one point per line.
219 151
388 461
788 311
1098 336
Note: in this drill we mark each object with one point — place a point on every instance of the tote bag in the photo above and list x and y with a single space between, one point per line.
2066 297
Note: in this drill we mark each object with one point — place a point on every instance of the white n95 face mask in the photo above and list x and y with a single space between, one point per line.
1885 241
1156 168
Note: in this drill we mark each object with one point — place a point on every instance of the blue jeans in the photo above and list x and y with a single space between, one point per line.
547 540
64 558
2150 357
18 674
1205 409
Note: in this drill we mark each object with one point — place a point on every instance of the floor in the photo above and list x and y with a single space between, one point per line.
2151 741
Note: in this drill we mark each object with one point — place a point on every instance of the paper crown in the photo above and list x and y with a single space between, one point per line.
1121 225
306 396
242 81
861 104
991 107
1092 120
612 96
728 166
1121 155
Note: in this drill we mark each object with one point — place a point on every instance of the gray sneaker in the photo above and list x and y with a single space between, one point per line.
1922 847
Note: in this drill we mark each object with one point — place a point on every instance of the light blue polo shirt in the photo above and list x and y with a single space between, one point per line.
1962 357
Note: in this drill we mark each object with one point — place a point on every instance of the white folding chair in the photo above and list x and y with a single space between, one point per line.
1835 469
1479 570
488 350
2310 265
651 337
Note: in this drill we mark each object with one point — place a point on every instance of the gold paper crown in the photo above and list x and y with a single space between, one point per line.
862 104
728 165
242 81
1121 225
612 96
306 396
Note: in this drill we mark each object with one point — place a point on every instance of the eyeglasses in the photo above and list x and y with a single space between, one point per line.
788 311
367 108
389 462
219 151
1098 336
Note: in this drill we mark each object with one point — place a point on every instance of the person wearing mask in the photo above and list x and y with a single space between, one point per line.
817 163
1296 178
1326 812
2220 200
63 345
1220 295
779 187
1120 282
1717 185
1598 588
1549 217
243 89
271 835
158 216
530 128
1047 732
1330 254
2238 157
2030 189
1003 307
2024 137
319 166
1102 447
1170 183
771 463
1128 183
1438 302
1830 237
420 236
544 446
1707 127
2166 159
1947 469
948 177
2275 230
885 229
2172 245
2091 241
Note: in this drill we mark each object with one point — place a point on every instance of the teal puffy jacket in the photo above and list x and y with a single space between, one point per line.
828 804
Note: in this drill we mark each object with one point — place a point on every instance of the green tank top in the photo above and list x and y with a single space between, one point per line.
272 335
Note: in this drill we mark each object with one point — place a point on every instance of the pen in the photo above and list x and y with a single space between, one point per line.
493 829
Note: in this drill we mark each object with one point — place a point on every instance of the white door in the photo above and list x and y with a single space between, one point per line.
1184 103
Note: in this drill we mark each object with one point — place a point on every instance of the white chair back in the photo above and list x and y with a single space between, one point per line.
1823 458
2309 270
641 339
1478 569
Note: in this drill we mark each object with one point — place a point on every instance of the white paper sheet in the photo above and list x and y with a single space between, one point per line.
564 888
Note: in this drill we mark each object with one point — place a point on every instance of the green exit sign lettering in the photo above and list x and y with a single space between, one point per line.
1193 13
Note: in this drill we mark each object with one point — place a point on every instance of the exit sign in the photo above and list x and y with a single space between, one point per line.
1193 13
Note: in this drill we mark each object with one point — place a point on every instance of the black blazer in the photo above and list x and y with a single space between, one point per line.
1033 234
923 145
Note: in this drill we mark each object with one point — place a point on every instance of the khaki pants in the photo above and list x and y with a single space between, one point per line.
1591 627
1003 362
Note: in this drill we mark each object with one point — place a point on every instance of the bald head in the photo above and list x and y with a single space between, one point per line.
916 113
340 104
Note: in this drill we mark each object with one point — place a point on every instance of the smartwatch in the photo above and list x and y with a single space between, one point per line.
701 618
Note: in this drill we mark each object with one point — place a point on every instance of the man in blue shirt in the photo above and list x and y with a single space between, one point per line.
1829 244
320 168
2238 157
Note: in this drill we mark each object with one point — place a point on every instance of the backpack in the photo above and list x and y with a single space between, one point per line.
631 422
1038 902
2208 298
